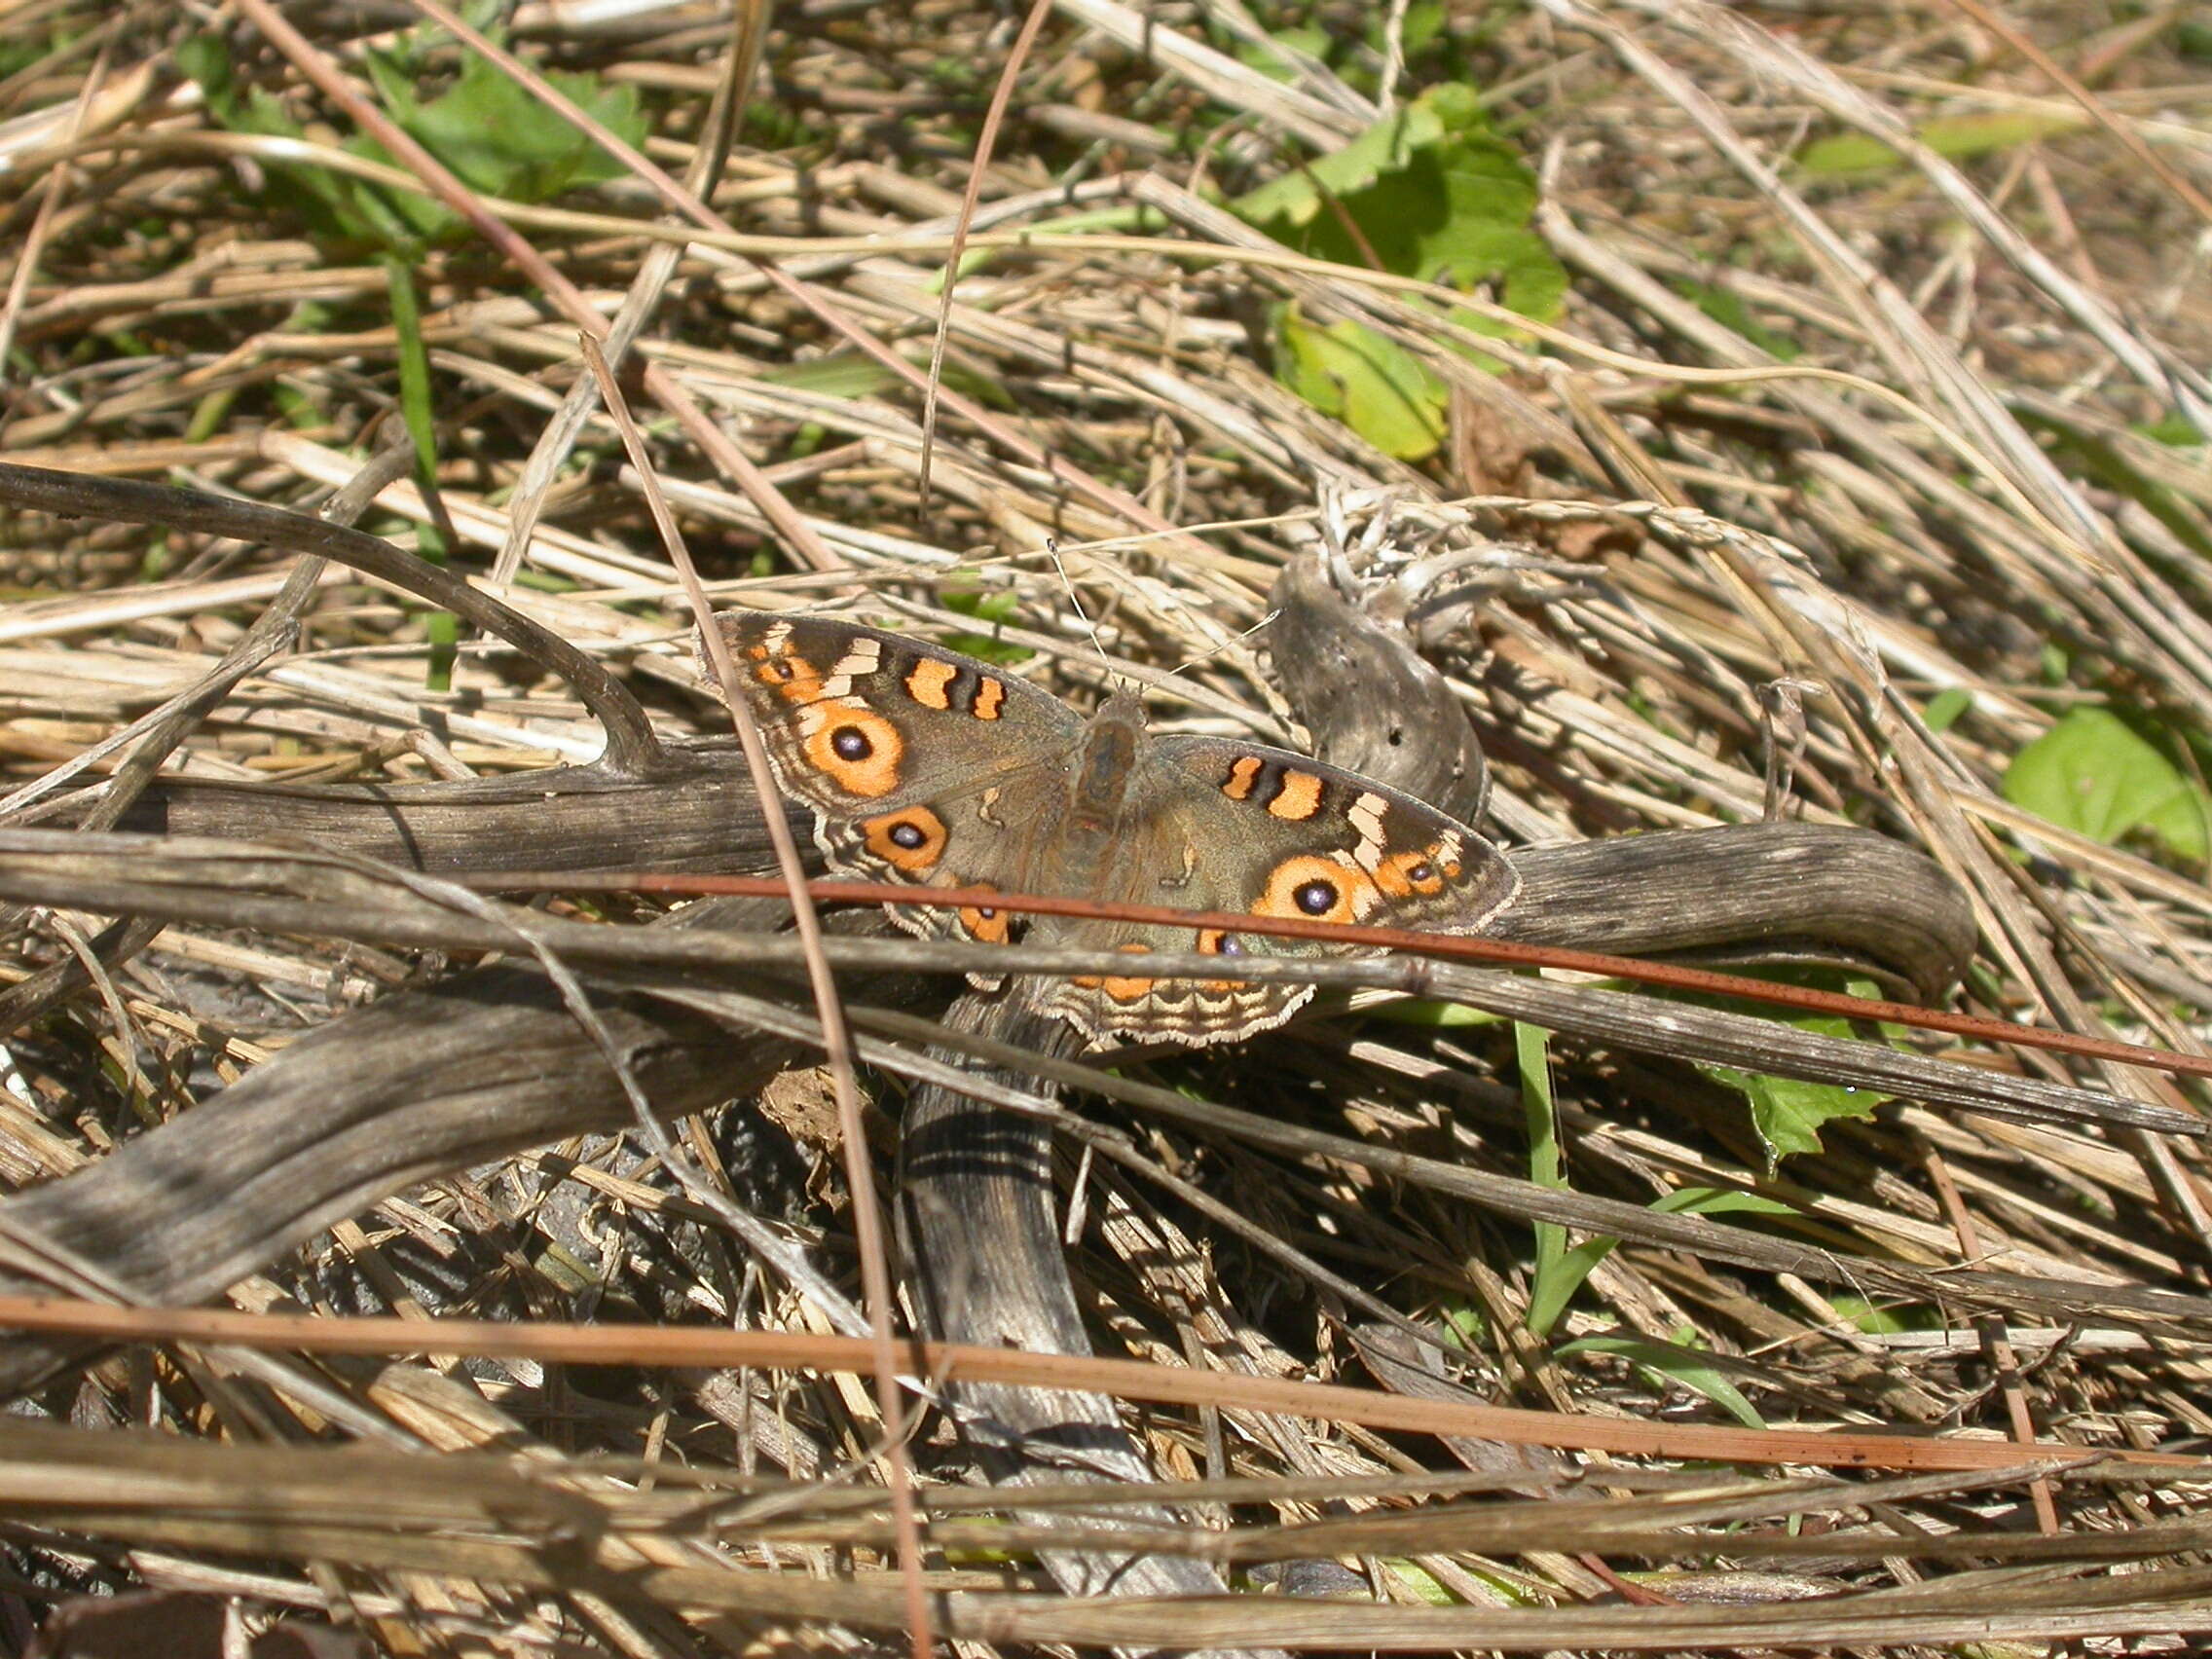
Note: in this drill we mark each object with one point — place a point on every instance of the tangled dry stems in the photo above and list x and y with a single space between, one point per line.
1866 436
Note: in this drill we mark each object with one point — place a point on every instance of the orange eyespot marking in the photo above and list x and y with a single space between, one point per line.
1403 874
984 924
1244 773
1213 941
791 674
928 683
858 751
911 841
1119 988
1298 799
990 698
1316 890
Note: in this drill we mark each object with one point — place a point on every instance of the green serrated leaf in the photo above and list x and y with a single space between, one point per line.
1787 1112
1427 192
2094 774
1378 388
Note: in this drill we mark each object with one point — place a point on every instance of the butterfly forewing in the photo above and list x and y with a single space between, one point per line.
922 765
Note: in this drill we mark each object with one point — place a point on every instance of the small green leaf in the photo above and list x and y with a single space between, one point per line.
2094 774
1719 1201
499 139
1431 1014
1787 1112
839 374
1728 309
1692 1370
1421 1581
996 608
1381 390
490 132
1314 43
1883 1320
1958 137
1945 708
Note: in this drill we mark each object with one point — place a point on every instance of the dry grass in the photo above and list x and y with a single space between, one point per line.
1886 435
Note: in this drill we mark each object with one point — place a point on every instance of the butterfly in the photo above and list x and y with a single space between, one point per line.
928 767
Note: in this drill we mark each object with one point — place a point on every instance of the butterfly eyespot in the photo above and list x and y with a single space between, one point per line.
986 923
1215 942
909 841
853 749
1311 888
1404 874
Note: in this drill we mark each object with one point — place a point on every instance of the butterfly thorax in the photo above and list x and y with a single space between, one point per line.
1099 791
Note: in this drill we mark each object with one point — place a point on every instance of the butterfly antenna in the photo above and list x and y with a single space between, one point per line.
1212 651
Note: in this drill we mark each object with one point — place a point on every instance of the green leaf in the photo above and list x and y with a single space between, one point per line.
499 139
2094 774
1787 1112
441 629
839 373
996 608
1958 137
1945 707
1556 1275
1550 1291
1431 1014
1312 41
1879 1319
1429 193
1686 1366
1426 192
1718 1200
1728 309
493 135
2175 430
1377 387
